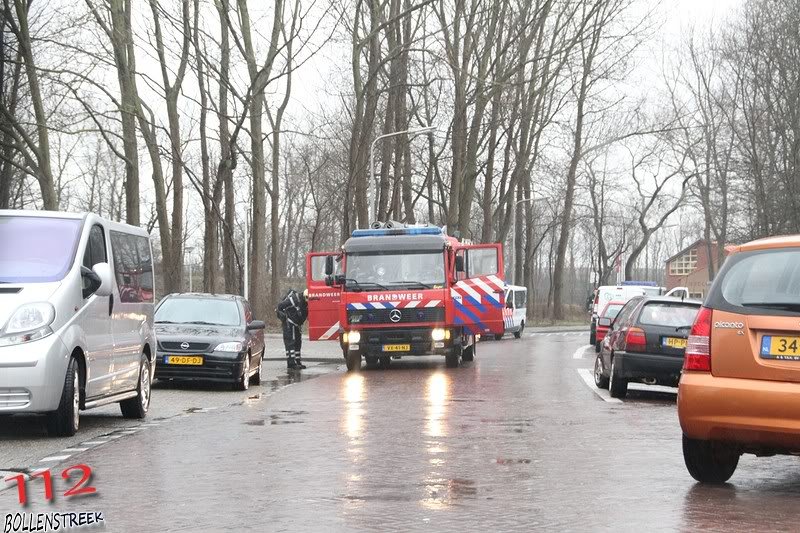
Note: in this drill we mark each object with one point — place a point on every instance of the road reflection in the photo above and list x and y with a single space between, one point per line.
437 493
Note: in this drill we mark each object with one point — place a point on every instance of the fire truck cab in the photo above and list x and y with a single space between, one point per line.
396 290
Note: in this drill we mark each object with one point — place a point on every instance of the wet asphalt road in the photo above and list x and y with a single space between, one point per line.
516 440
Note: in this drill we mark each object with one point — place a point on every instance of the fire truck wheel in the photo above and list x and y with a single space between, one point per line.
385 362
469 353
371 361
452 359
353 362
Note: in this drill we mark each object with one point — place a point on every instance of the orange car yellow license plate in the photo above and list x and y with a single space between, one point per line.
195 360
780 347
674 342
396 347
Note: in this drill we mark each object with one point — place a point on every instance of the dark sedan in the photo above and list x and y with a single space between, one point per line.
209 337
646 343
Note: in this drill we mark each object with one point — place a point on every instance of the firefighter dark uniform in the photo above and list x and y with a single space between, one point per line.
292 312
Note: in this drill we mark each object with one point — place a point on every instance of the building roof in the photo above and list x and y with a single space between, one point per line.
695 244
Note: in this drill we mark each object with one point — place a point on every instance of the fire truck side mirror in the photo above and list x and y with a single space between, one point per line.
329 265
459 263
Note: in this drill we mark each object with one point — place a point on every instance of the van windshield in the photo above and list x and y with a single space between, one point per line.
36 249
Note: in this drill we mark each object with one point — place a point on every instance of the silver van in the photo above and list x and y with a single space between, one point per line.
76 316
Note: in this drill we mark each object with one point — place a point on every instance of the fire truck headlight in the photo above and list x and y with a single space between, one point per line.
440 334
352 337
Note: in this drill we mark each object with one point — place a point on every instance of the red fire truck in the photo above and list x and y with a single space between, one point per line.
397 290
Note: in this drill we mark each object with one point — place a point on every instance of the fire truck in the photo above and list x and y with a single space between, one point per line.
398 290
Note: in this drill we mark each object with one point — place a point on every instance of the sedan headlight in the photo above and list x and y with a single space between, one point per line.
439 334
229 347
30 322
352 337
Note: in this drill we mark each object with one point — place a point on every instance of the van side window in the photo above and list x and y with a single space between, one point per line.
520 299
133 267
95 247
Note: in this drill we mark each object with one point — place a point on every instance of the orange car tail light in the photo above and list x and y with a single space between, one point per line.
698 346
635 340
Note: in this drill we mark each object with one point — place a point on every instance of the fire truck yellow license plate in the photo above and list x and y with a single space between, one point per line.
396 347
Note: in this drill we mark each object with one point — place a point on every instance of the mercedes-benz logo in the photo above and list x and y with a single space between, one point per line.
395 315
184 346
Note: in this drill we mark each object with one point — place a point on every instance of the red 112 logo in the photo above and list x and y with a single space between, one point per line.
81 488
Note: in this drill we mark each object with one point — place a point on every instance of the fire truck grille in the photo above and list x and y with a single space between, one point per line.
384 316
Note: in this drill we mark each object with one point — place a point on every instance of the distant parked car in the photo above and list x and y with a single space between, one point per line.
515 313
607 316
209 337
646 343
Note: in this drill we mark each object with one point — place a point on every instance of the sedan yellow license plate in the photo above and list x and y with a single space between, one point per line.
674 342
195 360
779 347
396 347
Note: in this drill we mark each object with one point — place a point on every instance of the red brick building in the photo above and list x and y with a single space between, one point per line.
689 268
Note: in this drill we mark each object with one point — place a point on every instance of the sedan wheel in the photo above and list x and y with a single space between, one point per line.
244 382
260 372
617 386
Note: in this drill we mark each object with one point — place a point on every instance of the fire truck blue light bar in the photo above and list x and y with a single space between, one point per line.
641 283
398 231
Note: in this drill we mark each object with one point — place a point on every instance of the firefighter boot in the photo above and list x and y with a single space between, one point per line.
291 364
298 363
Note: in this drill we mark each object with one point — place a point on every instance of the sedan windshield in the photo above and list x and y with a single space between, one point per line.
36 249
667 314
206 311
387 269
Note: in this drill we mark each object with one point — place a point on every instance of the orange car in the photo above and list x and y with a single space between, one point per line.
740 387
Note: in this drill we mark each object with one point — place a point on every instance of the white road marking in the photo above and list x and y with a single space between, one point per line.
579 353
588 378
93 442
652 388
54 458
74 449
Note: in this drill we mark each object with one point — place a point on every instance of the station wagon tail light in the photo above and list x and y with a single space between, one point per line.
698 345
635 340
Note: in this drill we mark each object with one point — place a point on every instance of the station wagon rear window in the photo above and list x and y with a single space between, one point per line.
37 249
766 280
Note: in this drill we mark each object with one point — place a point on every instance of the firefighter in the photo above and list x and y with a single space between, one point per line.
292 311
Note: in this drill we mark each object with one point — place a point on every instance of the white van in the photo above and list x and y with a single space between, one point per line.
516 310
76 316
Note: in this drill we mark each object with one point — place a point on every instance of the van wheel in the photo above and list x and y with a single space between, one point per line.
137 407
468 354
597 347
353 361
256 379
518 334
617 386
64 421
709 461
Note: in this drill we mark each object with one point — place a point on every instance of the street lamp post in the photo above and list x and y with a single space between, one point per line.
188 251
514 237
411 132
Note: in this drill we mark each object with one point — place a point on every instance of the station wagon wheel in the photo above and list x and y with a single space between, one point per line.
137 406
709 461
64 421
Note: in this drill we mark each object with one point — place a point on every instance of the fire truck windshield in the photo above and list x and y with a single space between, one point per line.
388 269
